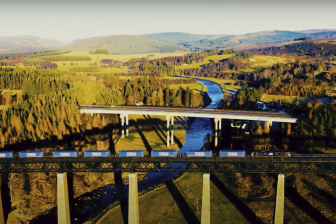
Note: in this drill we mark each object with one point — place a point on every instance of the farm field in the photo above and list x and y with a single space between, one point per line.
207 60
289 99
265 61
166 204
149 133
199 87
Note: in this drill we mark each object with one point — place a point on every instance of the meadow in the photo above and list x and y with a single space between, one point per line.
181 202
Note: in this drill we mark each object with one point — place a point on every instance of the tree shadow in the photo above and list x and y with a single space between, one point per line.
240 205
305 206
184 207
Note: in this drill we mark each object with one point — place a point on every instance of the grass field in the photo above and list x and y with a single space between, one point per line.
231 89
290 99
267 61
198 87
206 61
177 203
3 107
149 133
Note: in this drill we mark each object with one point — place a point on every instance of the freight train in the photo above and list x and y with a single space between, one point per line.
141 153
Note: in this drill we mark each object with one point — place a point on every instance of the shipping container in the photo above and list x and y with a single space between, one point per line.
199 153
65 153
232 153
163 153
105 153
31 154
269 154
131 153
6 154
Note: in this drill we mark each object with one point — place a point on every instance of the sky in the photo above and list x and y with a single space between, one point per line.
68 20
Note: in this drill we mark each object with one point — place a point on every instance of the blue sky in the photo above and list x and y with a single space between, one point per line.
72 19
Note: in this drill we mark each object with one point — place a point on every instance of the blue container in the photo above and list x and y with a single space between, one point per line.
232 153
131 153
199 153
6 154
163 153
65 154
31 154
105 153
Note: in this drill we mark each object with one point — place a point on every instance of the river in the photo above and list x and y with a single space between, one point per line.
93 203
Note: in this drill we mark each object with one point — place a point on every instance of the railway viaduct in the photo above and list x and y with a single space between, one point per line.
280 166
129 164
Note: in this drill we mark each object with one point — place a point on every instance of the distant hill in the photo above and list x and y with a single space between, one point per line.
122 44
11 44
176 37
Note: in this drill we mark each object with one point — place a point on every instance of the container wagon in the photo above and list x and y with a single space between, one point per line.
163 153
104 153
199 153
7 154
65 154
270 154
31 154
131 153
232 153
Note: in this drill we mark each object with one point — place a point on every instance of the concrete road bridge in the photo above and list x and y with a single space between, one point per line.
171 112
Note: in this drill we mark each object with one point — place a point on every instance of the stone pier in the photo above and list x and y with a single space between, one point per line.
205 216
172 130
63 212
280 200
218 125
168 121
133 204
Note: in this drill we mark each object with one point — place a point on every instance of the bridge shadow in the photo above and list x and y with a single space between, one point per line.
5 195
156 128
292 194
143 138
184 207
240 205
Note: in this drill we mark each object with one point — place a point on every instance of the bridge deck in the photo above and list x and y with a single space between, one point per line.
192 112
174 164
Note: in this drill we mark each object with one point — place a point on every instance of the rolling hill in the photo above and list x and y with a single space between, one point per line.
11 44
122 44
176 37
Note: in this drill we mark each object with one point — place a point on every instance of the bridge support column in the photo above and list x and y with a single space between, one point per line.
168 118
126 125
2 217
122 118
205 216
217 123
133 204
172 130
63 212
280 200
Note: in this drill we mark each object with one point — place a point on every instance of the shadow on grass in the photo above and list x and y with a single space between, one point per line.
240 205
143 138
156 128
185 209
5 195
305 206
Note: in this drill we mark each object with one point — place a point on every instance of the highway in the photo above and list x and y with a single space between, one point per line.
192 112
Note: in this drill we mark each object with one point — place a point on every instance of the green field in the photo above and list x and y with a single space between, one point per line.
149 133
198 87
289 99
206 61
166 204
225 88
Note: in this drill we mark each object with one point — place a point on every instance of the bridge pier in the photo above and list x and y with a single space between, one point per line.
172 130
280 200
2 216
133 203
167 118
126 124
205 216
218 123
63 212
